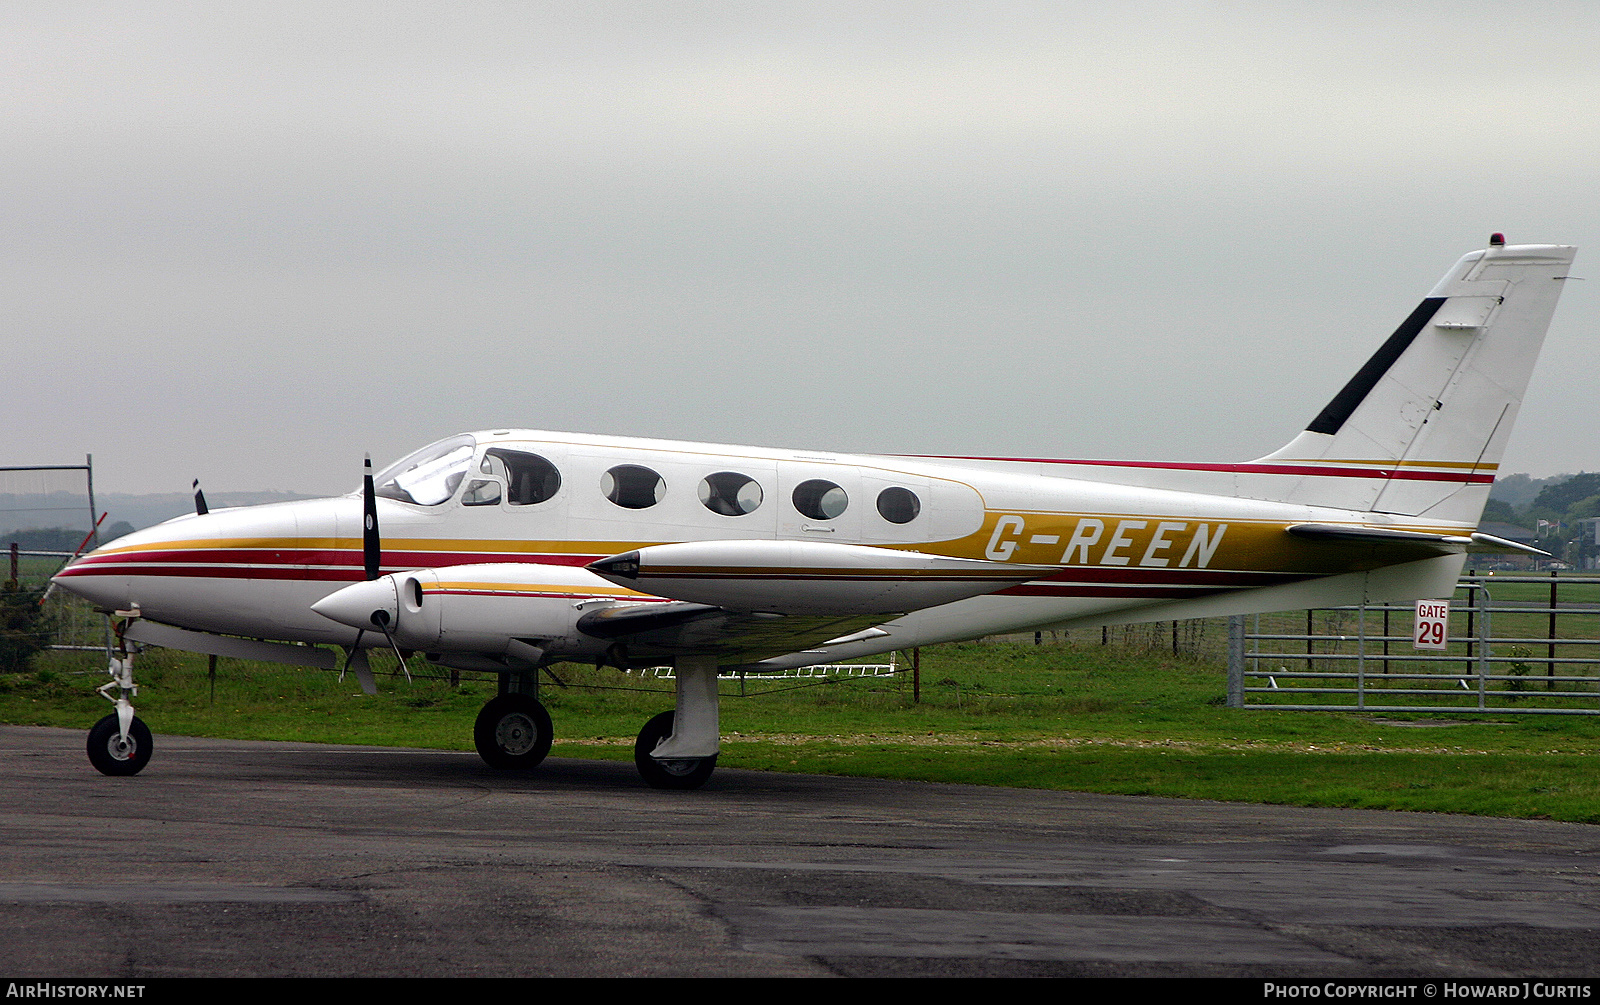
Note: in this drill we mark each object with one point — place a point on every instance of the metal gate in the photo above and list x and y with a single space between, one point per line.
1518 644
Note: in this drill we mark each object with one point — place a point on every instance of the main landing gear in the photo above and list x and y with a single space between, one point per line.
668 772
512 732
678 749
674 750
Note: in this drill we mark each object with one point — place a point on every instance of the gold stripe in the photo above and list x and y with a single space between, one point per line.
587 591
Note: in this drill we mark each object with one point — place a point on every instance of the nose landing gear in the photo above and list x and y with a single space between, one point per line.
115 752
120 743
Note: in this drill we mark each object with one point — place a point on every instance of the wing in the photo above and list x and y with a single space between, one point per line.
480 616
659 633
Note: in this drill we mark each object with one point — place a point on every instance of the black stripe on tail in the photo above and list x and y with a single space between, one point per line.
1348 400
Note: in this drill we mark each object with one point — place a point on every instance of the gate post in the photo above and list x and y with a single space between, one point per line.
1236 661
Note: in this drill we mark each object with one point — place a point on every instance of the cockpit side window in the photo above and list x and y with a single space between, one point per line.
529 478
481 492
430 476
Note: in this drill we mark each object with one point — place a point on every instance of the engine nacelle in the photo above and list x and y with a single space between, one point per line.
473 608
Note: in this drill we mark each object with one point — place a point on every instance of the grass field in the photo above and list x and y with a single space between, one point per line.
1074 716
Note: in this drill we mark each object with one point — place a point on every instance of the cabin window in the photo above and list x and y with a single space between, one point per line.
633 486
820 500
898 505
730 493
528 478
428 477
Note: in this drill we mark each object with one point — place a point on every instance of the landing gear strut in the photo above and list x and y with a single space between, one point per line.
512 732
678 749
120 743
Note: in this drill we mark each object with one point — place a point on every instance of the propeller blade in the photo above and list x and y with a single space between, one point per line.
357 663
200 507
371 542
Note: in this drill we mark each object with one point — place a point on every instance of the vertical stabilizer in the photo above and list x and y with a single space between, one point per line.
1420 429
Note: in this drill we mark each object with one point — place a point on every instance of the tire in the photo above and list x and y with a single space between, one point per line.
681 773
110 756
512 733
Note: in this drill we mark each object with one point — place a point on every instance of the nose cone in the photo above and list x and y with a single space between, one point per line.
106 593
110 576
372 605
622 569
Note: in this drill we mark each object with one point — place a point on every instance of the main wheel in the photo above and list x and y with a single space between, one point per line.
512 731
111 754
668 773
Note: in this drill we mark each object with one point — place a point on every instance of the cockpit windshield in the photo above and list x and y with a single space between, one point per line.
429 476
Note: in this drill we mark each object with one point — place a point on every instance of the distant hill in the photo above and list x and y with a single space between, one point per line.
1519 490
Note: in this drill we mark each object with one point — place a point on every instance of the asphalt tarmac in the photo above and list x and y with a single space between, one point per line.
234 858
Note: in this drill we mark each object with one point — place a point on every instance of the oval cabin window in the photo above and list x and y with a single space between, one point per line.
730 493
898 505
820 500
633 486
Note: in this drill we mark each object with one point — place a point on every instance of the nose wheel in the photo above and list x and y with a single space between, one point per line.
512 732
113 752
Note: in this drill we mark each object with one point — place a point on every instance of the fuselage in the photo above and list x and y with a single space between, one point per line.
553 499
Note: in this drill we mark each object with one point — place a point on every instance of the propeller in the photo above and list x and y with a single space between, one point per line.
372 561
200 507
371 542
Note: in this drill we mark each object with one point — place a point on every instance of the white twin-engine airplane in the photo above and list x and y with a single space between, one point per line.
510 550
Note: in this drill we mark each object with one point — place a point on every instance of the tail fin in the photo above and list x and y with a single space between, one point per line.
1429 414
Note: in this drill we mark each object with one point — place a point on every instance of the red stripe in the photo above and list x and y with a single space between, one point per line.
333 557
1401 474
1194 577
1051 590
231 572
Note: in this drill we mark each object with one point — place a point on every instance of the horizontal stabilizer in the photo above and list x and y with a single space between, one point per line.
1376 535
1488 542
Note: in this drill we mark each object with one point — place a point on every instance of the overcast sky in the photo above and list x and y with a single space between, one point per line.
249 242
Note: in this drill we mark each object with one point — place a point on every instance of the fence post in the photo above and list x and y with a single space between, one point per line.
1483 642
1361 654
1236 661
1550 667
916 675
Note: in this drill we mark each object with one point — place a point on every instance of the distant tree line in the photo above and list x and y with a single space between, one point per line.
1551 508
59 538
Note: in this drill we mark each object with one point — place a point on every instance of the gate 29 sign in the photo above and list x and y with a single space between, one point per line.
1431 629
